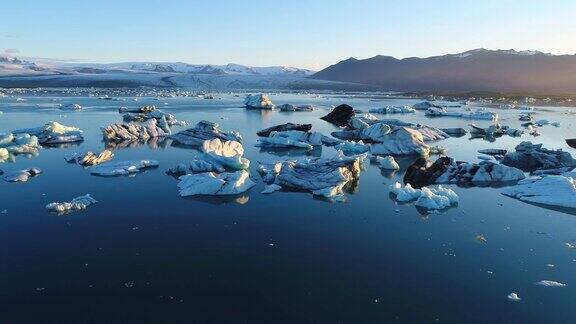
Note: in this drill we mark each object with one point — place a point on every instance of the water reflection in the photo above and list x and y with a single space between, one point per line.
154 143
292 151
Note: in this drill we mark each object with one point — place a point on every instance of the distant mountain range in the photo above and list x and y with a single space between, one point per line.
39 72
475 70
13 66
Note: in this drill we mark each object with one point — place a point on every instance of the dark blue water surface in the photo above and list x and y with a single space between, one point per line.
144 254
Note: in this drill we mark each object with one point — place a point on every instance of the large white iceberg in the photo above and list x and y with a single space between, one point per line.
401 141
229 154
552 190
203 131
228 183
78 203
53 133
258 101
110 169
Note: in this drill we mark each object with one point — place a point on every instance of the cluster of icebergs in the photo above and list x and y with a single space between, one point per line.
144 113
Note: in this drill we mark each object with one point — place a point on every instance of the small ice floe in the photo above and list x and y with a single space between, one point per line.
19 144
71 107
90 158
294 138
495 130
268 189
481 238
340 115
289 107
387 163
530 157
149 112
78 203
550 283
570 245
352 148
478 114
110 169
393 110
552 190
429 198
22 175
53 133
258 101
227 183
229 154
284 127
446 170
203 131
135 132
325 177
514 297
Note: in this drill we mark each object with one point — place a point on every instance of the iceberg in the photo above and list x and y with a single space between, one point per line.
78 203
340 115
228 154
295 138
531 157
401 141
552 190
324 177
196 166
228 183
90 158
53 133
289 107
203 131
19 144
258 101
22 175
111 169
352 148
424 105
135 132
284 127
478 114
393 110
429 198
387 163
550 283
145 113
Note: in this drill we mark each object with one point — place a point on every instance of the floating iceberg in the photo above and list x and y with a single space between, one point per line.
550 283
323 177
401 141
446 170
203 131
258 101
90 158
135 132
22 175
424 105
478 114
289 107
429 198
284 127
228 154
196 166
294 138
387 163
393 110
530 157
53 133
78 203
340 115
352 148
228 183
552 190
145 113
19 144
110 169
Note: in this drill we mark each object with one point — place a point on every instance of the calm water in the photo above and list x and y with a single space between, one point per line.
144 254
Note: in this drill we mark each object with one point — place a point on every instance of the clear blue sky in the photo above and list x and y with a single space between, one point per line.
311 34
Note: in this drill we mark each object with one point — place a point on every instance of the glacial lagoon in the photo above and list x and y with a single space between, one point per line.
145 253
